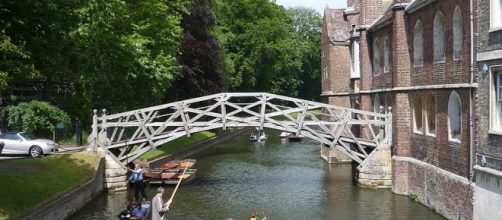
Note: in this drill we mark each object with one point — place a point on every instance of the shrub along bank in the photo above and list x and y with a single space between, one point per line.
28 182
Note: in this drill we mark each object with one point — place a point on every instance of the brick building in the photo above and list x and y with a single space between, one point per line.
413 56
488 191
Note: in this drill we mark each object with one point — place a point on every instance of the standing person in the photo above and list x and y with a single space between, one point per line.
158 207
139 185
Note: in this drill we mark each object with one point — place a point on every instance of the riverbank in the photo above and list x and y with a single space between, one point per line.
29 182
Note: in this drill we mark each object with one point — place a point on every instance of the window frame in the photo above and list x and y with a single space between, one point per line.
376 59
415 127
450 136
438 15
386 55
415 46
355 72
427 116
458 12
494 127
493 10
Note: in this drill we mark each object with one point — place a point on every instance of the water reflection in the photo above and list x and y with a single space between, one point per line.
287 180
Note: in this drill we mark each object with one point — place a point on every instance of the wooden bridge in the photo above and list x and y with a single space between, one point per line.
131 134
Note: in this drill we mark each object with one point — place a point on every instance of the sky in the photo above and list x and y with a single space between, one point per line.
318 5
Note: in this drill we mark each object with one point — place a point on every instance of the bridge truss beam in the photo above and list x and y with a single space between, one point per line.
354 132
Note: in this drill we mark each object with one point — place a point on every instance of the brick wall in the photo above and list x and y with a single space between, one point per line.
339 70
450 71
446 193
488 144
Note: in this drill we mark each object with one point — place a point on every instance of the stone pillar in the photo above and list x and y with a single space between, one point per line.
333 156
115 174
376 172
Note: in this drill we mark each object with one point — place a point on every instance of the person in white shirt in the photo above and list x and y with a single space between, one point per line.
158 207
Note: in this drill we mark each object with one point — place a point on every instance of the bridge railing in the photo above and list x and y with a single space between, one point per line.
131 134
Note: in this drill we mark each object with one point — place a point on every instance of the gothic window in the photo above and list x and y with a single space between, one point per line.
418 44
386 56
376 103
439 38
457 34
376 57
430 115
417 114
388 102
454 117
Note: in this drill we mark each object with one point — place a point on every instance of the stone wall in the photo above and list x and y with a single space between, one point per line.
488 194
446 193
68 202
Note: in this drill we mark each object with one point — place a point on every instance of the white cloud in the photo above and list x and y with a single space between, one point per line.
318 5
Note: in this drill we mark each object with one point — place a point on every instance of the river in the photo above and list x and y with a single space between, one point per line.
286 180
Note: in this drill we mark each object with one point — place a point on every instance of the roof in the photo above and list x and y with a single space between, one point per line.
338 28
386 18
417 4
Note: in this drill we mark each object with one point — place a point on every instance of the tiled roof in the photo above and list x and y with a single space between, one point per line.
338 28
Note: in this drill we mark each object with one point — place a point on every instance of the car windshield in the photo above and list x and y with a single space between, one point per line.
27 136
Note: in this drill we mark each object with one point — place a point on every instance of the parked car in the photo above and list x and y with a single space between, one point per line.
24 143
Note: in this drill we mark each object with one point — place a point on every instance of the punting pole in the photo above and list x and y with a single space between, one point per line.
175 189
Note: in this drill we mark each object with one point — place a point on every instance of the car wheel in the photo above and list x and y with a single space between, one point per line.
36 151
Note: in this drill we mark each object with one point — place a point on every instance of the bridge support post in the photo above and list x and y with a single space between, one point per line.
115 173
377 171
333 155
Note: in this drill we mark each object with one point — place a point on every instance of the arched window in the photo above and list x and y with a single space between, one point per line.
417 113
388 102
376 103
418 44
454 117
457 34
430 115
376 56
439 37
386 55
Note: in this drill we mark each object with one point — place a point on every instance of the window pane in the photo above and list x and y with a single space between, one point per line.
454 116
431 115
418 113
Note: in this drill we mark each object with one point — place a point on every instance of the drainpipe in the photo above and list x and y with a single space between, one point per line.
471 94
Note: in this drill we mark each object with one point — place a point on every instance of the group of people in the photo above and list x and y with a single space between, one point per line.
135 211
140 210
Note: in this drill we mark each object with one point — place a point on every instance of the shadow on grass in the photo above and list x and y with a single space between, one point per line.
28 182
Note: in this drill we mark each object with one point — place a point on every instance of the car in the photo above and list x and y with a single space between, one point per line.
24 143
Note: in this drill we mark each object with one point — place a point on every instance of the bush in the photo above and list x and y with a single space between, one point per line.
36 117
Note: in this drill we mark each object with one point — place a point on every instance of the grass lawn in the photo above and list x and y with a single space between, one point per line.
176 145
27 182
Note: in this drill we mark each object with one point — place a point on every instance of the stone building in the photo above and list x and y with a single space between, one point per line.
413 56
488 168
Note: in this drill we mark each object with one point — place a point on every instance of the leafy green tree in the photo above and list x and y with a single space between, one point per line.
36 117
127 51
307 24
34 40
267 48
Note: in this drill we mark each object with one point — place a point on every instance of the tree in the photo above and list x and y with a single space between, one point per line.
200 55
127 51
260 49
36 117
307 24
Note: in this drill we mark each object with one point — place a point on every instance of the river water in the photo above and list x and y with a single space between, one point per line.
286 180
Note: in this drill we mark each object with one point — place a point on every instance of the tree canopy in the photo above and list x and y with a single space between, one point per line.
126 54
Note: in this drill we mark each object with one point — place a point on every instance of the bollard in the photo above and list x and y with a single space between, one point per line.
78 132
